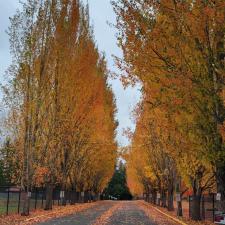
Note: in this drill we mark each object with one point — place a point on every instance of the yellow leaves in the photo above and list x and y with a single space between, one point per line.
149 173
173 53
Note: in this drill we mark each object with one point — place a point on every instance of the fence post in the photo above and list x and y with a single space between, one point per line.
35 204
58 200
213 207
7 207
189 203
29 200
19 202
203 207
53 196
42 197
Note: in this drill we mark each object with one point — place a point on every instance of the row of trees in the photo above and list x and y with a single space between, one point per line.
176 49
60 107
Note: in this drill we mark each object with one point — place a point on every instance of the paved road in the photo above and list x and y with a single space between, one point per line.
86 217
109 213
130 214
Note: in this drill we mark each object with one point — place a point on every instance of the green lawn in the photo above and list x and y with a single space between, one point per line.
13 208
13 203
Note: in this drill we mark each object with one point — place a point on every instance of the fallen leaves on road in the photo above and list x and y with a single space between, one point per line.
42 215
149 211
105 217
155 216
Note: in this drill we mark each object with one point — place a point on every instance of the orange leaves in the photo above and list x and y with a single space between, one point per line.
209 12
65 109
41 173
86 114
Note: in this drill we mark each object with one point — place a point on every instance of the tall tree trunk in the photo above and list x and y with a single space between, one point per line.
49 194
179 208
26 203
147 197
170 197
220 176
196 207
73 196
163 197
78 197
154 196
26 151
179 198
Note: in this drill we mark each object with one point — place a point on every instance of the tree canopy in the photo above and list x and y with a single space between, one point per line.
175 49
61 108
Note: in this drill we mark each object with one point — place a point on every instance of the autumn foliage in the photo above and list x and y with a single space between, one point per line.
175 49
61 109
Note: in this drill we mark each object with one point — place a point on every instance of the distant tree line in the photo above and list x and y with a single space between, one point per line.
117 187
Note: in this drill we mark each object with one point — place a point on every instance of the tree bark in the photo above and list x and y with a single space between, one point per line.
179 208
26 203
49 193
154 197
170 199
73 197
220 175
196 207
163 196
147 197
79 197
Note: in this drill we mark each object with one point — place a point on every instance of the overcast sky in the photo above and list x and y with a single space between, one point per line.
100 11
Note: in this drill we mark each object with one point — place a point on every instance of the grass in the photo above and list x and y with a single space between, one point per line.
13 203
